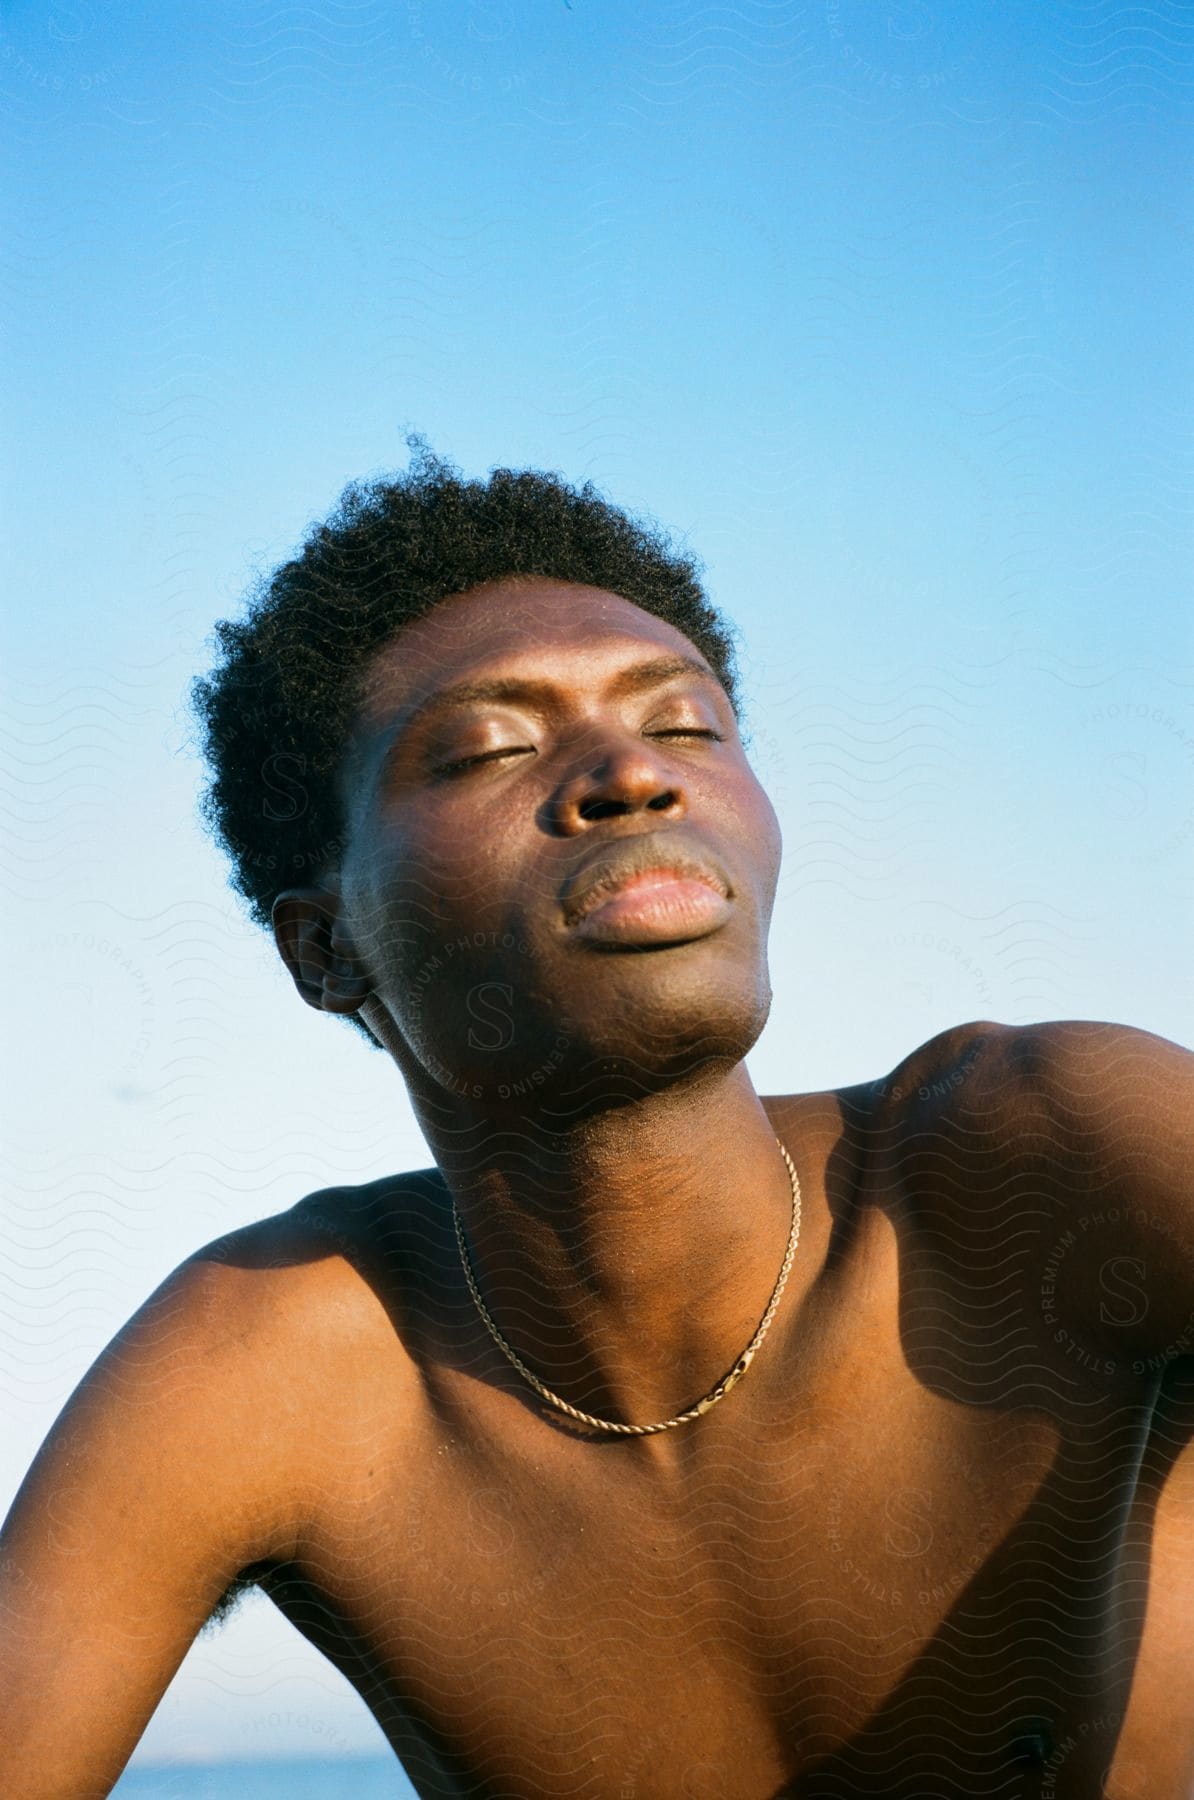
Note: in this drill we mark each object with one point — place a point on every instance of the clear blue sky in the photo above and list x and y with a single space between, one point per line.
884 308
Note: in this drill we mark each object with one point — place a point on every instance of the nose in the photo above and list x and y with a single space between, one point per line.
623 777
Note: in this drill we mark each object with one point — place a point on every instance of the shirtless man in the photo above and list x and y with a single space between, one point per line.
477 760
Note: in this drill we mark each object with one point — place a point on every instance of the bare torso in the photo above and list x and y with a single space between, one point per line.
908 1556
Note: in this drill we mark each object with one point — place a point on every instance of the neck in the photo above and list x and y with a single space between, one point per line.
629 1258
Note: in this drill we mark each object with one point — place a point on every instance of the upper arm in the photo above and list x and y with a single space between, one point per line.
1120 1106
164 1475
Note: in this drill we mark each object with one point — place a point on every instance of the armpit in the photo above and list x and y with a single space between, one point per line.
253 1576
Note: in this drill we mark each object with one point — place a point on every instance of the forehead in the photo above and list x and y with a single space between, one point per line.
555 630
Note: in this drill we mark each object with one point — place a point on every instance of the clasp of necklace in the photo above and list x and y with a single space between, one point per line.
723 1387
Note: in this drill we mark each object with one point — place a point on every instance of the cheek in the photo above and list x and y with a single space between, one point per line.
408 893
763 838
381 889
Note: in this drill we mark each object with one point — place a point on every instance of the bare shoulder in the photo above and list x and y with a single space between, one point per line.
964 1130
981 1056
939 1125
875 1137
1019 1082
183 1458
326 1270
308 1299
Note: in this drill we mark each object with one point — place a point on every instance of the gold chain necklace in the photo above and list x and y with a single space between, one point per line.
702 1406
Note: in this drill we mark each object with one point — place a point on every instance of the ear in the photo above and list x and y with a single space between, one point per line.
314 944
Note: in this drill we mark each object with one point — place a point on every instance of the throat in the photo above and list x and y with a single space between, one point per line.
643 1307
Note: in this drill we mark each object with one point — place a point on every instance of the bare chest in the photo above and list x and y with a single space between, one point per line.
887 1580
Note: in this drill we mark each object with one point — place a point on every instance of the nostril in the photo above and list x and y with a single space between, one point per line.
602 809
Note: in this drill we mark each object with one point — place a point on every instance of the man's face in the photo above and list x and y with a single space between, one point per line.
560 887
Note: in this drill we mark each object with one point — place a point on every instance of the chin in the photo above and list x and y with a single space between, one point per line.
621 1027
676 1041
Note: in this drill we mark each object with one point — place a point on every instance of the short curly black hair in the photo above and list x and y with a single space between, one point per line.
276 712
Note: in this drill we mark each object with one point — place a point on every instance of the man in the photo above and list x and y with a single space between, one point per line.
660 1440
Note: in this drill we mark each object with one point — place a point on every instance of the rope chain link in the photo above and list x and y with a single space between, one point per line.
702 1406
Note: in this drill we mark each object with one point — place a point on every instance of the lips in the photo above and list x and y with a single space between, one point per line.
652 911
641 862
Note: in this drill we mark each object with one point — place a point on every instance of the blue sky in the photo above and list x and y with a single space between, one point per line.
884 309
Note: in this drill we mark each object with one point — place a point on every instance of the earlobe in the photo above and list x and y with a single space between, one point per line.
323 969
344 990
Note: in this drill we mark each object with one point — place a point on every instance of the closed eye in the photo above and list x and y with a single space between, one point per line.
689 731
472 762
469 762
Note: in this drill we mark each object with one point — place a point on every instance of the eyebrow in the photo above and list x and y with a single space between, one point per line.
634 680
